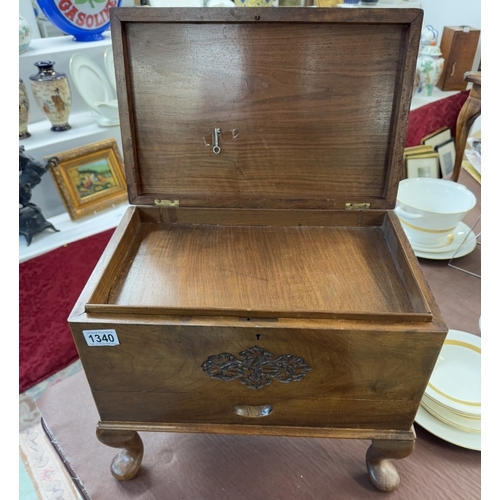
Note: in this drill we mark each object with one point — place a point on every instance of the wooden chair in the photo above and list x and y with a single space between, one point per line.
468 114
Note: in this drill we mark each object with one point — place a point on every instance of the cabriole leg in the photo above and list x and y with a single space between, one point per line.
127 463
383 474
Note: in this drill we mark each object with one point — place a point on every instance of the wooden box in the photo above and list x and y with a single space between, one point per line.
261 283
458 47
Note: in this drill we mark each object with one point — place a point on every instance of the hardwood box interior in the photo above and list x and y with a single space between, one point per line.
305 264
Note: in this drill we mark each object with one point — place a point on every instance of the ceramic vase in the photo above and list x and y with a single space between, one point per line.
429 68
52 94
23 111
24 34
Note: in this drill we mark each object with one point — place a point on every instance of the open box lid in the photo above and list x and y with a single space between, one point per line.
309 107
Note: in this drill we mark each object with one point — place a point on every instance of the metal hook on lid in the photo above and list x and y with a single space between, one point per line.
216 147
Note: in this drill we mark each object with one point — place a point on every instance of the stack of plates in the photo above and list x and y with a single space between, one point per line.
462 241
451 405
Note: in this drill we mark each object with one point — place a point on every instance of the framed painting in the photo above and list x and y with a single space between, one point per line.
423 166
89 178
438 137
447 153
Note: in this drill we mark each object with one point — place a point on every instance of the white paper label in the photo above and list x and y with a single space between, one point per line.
101 337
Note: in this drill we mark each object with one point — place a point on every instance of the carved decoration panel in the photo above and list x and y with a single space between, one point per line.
257 368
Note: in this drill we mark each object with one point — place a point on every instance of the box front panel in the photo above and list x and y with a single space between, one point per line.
258 375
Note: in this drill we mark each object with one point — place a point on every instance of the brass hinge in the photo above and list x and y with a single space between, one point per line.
357 206
167 203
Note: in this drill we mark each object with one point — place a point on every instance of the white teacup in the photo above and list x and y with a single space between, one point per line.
430 209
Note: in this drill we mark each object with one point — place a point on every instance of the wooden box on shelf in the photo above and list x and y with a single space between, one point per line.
261 283
458 47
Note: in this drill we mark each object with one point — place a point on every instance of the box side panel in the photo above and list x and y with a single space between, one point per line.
116 254
102 276
406 263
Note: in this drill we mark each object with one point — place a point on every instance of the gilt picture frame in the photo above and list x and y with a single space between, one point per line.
89 178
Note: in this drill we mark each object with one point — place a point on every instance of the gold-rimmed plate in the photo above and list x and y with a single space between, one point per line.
449 418
455 382
469 440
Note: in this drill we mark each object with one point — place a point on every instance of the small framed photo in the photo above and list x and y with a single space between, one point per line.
89 178
439 137
423 166
446 153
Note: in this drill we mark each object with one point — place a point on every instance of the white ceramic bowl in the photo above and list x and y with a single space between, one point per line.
430 209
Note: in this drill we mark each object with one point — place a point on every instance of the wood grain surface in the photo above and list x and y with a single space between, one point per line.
252 270
312 106
364 379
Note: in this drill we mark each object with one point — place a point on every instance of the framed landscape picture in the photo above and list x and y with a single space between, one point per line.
89 178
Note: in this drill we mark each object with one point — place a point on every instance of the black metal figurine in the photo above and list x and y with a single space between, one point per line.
31 220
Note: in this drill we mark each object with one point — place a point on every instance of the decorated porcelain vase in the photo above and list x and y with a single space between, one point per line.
23 111
429 62
24 34
52 94
429 69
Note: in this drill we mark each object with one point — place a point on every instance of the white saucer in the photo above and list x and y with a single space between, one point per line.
469 440
456 238
464 242
90 81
